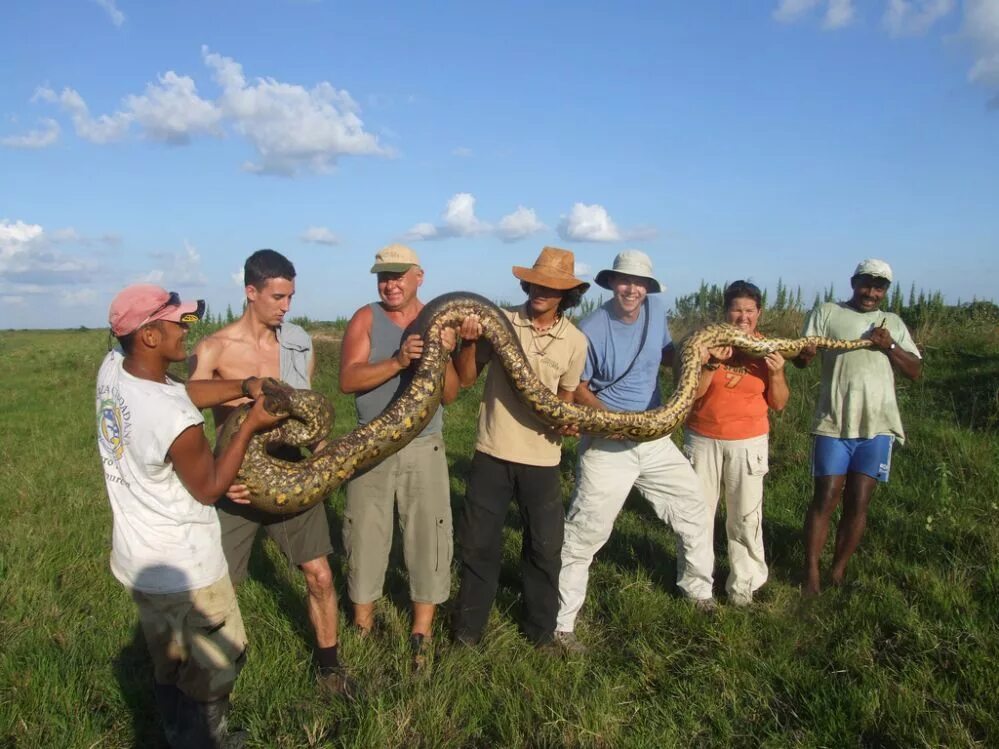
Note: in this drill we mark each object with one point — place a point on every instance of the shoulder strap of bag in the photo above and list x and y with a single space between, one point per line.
641 345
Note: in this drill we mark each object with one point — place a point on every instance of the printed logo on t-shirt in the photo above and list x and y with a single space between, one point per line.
114 421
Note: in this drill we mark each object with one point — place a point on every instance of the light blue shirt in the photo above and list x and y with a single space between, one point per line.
613 344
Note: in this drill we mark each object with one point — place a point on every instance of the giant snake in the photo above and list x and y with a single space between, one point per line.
282 487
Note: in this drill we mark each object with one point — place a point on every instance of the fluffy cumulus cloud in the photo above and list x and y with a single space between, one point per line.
589 223
319 235
116 16
522 223
459 220
171 111
291 129
41 137
592 223
106 128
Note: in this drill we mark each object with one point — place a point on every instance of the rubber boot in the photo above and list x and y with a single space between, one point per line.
167 699
204 725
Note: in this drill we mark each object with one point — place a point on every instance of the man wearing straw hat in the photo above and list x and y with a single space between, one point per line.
516 456
628 341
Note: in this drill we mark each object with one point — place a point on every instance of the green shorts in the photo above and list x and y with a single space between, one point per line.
416 480
195 638
301 537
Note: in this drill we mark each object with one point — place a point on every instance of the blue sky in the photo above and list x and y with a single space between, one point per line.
164 142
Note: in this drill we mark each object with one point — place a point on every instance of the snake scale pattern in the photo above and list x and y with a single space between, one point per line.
281 487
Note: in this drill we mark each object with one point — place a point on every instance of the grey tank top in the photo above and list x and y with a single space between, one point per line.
296 348
386 337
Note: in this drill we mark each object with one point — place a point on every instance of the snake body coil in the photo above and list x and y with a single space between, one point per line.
281 487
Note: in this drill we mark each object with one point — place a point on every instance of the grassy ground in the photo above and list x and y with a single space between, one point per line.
906 655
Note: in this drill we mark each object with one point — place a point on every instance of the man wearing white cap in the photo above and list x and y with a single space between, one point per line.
161 481
856 416
378 347
628 341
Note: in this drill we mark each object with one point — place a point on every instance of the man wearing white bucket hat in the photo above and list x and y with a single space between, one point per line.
628 341
856 415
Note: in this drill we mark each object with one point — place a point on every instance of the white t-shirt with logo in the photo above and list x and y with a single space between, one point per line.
164 540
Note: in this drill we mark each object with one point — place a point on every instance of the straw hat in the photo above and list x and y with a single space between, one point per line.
631 263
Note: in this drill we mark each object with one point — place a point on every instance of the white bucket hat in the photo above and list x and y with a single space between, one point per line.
874 268
632 263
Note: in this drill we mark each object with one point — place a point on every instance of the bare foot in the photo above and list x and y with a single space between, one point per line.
810 589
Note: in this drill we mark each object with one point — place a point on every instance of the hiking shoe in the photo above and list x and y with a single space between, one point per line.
464 637
568 643
418 647
336 681
705 605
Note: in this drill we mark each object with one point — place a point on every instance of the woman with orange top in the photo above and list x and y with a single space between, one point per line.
726 439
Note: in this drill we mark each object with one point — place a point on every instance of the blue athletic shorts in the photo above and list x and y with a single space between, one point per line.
832 456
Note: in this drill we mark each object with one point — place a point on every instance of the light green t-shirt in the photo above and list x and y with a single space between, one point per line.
857 395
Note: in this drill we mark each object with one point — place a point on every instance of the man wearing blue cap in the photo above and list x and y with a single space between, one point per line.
856 416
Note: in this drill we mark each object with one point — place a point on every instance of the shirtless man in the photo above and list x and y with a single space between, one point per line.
262 344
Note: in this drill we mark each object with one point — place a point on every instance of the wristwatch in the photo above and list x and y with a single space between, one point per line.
892 347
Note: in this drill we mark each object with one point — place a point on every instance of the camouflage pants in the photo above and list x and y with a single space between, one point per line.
195 638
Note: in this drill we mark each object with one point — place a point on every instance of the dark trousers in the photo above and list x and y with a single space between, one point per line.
491 486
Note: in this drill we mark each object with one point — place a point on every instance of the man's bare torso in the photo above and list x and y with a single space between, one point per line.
234 352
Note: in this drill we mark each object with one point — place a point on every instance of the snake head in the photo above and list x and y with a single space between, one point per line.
277 396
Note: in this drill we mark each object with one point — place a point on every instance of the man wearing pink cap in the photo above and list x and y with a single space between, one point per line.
856 415
262 342
161 481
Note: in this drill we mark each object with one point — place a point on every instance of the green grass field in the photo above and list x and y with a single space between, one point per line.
904 656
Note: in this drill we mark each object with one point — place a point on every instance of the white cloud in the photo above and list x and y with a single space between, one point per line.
462 152
592 223
839 13
588 223
522 223
789 11
981 27
319 235
914 17
27 254
171 111
116 16
40 138
292 129
104 129
12 299
237 278
583 269
458 220
420 232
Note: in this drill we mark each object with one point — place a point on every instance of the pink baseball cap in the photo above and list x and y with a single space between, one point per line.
142 303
